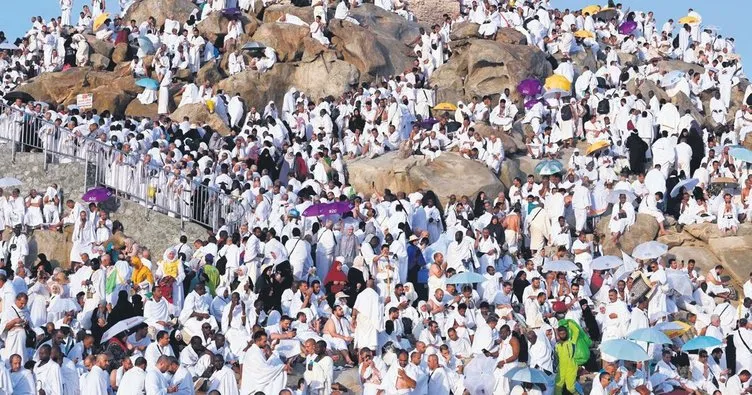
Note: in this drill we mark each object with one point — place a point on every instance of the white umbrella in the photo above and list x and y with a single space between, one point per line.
8 47
606 262
678 280
9 182
649 250
689 184
559 266
630 265
121 326
613 197
479 375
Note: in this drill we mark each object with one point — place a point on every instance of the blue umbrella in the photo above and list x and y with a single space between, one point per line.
688 184
146 45
624 350
527 375
701 342
649 335
148 83
549 167
742 154
466 278
672 78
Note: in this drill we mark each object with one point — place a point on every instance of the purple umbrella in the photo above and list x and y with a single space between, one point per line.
323 209
97 195
231 13
427 123
627 27
530 87
530 103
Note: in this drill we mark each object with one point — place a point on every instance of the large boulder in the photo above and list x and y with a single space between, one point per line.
317 79
513 143
673 65
209 72
371 52
464 30
101 47
214 28
644 229
99 62
177 10
385 24
677 239
136 109
734 253
62 87
507 35
414 173
285 38
707 231
121 53
198 113
431 12
488 67
274 12
112 100
704 259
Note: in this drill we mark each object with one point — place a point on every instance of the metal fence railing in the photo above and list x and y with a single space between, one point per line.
155 186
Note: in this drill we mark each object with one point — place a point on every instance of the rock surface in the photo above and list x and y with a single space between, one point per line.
430 12
448 174
178 10
200 115
488 68
644 229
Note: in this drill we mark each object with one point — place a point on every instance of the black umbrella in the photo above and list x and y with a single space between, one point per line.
607 14
25 97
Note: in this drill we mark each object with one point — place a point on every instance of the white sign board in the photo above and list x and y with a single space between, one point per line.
84 101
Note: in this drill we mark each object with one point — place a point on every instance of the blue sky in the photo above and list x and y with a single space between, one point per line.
732 16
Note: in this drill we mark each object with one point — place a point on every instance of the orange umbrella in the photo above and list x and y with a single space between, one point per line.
99 20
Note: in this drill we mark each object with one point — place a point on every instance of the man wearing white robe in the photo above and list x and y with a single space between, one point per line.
196 311
156 382
223 378
14 317
622 217
97 381
616 317
133 381
261 372
48 374
21 378
158 310
368 317
158 348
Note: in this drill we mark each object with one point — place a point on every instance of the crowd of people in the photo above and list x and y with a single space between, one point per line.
506 294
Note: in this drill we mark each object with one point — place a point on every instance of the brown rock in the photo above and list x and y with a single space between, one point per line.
734 253
62 87
707 231
121 53
199 114
274 12
178 10
101 47
676 239
644 229
386 24
508 35
214 28
285 38
113 100
464 30
99 62
672 65
211 73
512 143
417 172
136 109
430 12
489 67
372 53
704 259
258 89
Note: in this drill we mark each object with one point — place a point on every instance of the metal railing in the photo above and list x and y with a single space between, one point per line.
152 185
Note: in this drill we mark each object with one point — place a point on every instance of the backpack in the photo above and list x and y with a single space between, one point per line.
566 113
604 107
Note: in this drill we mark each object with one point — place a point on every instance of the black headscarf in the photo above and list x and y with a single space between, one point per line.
122 311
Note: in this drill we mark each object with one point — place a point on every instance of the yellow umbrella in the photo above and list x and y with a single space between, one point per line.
591 9
445 107
558 81
584 34
689 20
99 21
672 333
210 106
597 146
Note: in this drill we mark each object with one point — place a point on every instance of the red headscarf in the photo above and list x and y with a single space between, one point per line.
335 274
